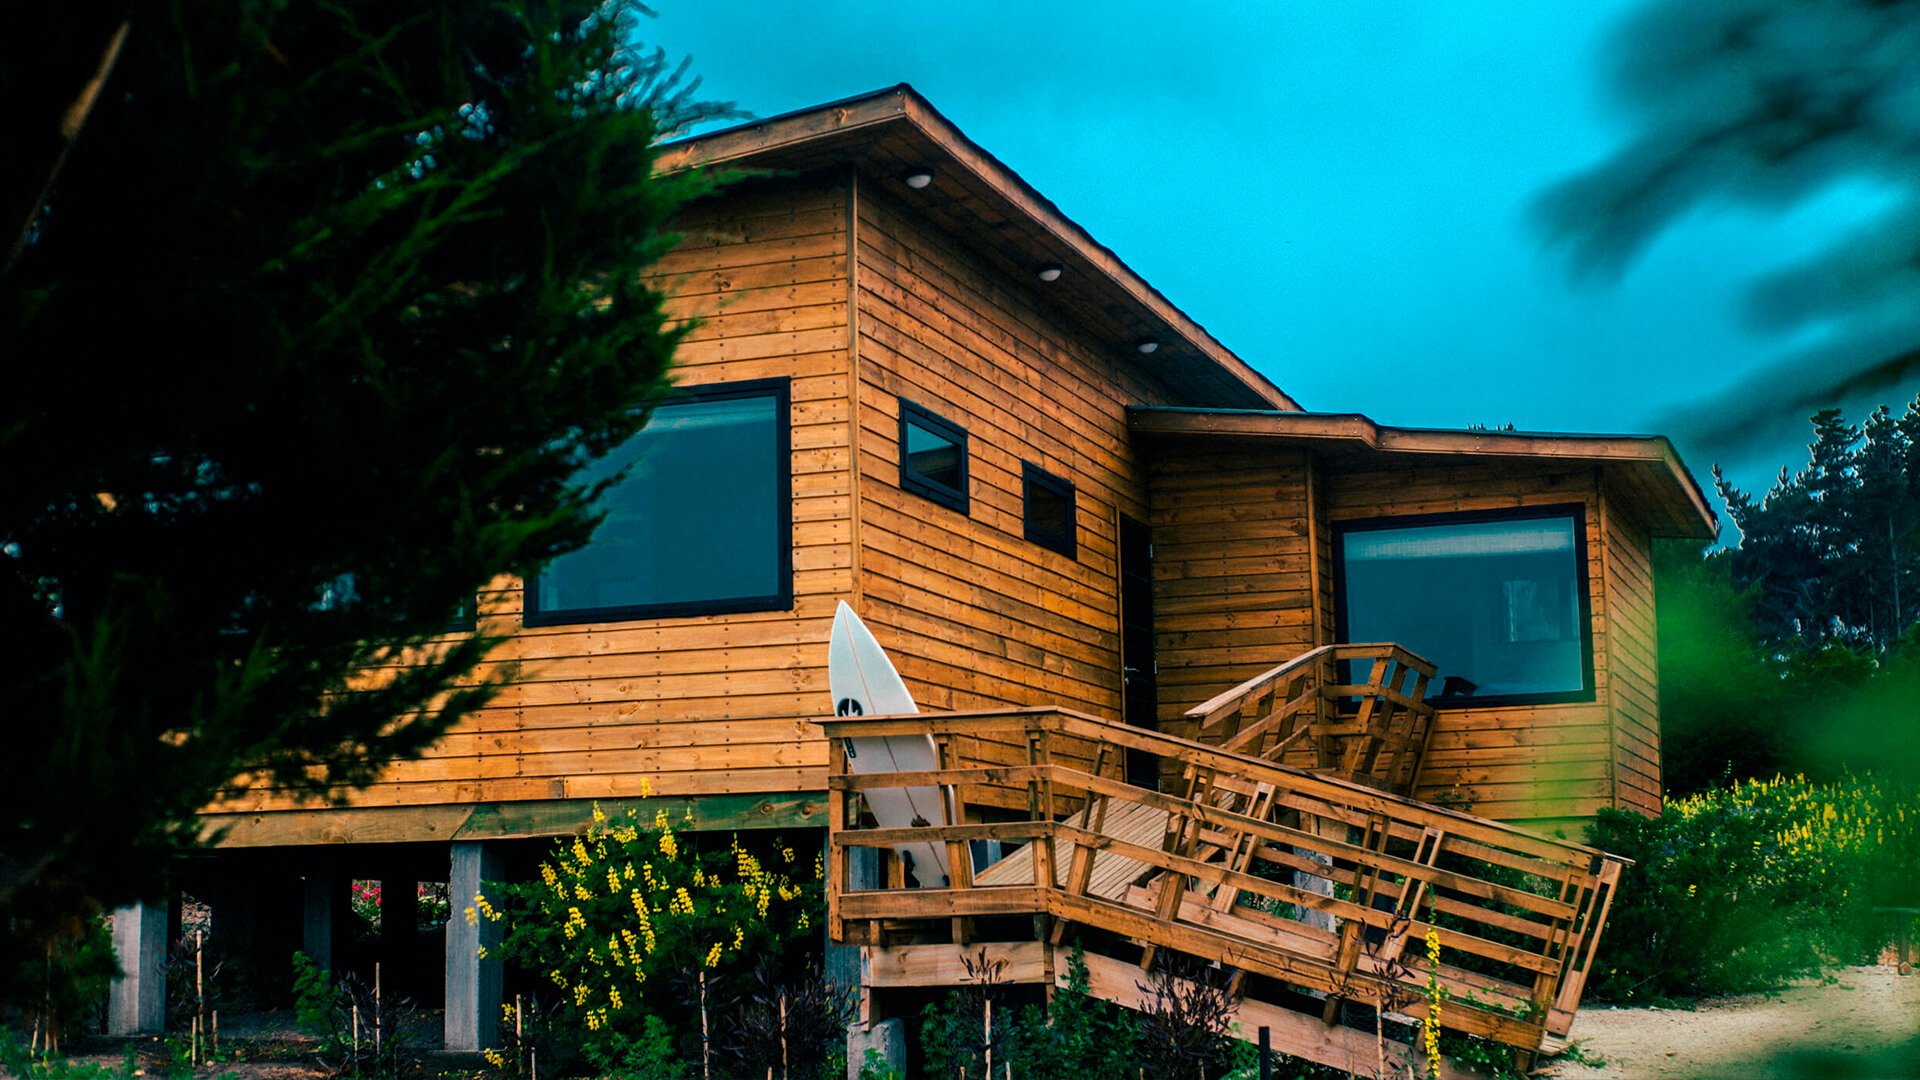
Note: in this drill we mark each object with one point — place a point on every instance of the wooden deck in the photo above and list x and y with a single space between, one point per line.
1306 887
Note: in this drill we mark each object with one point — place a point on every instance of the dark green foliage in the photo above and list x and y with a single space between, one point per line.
1691 918
1720 693
68 978
1750 886
1078 1034
1183 1032
312 995
20 1063
322 313
1797 650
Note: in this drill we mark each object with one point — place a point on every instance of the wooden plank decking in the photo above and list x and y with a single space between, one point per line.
1111 873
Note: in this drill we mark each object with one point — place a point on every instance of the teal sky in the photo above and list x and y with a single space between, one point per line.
1337 189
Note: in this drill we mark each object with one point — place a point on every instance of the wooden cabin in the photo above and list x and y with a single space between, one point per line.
918 387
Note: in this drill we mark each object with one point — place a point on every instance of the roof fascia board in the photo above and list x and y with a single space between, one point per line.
1356 428
903 103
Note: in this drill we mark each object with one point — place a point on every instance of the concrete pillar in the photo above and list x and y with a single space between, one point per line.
473 984
138 1002
399 923
841 963
324 932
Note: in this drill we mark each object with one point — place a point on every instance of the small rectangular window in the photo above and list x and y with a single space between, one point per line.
1048 500
933 457
701 523
1498 601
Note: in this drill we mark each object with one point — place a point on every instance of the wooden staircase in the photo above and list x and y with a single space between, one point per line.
1310 892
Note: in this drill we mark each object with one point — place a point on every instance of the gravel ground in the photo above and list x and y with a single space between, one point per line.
1867 1010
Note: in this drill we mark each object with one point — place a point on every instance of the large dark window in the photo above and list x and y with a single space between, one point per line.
1497 601
933 456
701 524
1048 502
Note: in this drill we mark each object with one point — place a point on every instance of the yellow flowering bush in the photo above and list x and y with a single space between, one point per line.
623 918
1752 885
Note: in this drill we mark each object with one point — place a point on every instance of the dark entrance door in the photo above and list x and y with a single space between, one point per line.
1140 694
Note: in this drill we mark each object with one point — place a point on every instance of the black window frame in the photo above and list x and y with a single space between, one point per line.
1589 690
1032 476
780 390
918 483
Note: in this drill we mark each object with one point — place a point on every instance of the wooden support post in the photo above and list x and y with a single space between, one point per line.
839 868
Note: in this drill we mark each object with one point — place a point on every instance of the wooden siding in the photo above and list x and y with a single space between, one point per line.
973 614
1635 667
1530 763
706 705
1234 581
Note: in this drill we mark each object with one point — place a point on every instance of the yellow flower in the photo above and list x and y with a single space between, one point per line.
713 956
494 1058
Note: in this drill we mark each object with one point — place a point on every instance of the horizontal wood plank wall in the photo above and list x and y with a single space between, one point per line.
1543 763
973 614
706 705
1635 668
1233 590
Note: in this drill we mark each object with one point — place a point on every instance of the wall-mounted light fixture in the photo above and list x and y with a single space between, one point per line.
1147 345
918 178
1049 272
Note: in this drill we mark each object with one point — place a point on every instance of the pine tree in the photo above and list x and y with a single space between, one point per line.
317 311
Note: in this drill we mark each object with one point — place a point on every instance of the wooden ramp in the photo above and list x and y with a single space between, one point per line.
1309 892
1111 873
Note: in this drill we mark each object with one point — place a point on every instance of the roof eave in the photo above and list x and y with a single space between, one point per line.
901 104
1362 431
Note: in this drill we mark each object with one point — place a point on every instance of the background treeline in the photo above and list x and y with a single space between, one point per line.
1797 651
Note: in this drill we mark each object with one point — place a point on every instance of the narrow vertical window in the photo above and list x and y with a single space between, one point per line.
933 457
1048 501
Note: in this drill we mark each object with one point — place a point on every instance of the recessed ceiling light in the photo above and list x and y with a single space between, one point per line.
1050 272
919 178
1147 344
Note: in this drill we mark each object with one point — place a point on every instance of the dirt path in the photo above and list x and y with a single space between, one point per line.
1868 1009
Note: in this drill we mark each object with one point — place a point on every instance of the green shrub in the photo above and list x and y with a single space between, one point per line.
1749 887
312 995
623 919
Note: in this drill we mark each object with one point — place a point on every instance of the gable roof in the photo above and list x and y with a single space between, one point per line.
887 133
1647 467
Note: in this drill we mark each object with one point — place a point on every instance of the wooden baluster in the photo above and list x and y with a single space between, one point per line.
1241 854
959 852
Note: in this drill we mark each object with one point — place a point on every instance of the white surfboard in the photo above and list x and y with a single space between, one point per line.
864 683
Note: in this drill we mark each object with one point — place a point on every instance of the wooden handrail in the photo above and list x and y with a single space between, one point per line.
1230 881
1295 710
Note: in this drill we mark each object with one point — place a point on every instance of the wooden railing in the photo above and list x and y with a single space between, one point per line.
1289 878
1373 732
